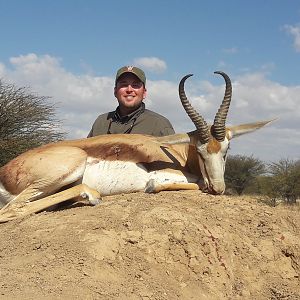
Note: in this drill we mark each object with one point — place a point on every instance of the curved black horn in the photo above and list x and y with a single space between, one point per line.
218 128
197 119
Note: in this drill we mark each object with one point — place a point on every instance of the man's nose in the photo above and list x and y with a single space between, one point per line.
129 87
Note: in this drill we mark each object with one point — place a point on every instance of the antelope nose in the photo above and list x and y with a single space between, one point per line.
217 187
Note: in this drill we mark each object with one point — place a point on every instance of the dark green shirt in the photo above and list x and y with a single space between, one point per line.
142 121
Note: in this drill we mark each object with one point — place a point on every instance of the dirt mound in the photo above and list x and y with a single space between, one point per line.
171 245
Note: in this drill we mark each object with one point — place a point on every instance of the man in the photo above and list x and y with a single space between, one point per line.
131 116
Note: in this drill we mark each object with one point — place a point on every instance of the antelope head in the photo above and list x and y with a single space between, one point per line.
212 142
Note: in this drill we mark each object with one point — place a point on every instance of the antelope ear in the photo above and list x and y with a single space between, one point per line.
235 131
179 138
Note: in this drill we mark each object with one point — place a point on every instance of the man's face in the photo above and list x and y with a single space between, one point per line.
130 92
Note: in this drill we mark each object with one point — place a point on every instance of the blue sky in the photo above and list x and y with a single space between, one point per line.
70 51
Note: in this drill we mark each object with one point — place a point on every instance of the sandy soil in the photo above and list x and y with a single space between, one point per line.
171 245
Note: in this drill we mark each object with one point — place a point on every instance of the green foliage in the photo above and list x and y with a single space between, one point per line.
26 121
241 171
284 182
279 181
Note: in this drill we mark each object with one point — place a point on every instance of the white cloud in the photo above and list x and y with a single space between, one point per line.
267 96
152 64
294 31
82 97
2 70
76 95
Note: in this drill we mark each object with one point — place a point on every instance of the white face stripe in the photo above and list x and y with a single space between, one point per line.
203 171
212 166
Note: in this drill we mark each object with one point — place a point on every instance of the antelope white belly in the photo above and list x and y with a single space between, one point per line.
164 176
115 177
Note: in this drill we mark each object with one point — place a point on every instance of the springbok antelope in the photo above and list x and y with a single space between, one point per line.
114 164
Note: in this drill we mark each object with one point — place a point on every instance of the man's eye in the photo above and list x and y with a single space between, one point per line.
137 85
122 84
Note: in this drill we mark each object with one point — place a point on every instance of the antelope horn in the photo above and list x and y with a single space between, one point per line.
201 125
218 128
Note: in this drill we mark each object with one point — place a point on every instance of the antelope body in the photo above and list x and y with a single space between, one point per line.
121 163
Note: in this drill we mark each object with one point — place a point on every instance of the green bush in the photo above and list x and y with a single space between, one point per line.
26 121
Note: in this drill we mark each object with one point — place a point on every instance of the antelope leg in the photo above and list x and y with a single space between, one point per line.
19 209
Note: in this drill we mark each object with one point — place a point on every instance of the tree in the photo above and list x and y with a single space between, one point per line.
285 180
241 171
26 121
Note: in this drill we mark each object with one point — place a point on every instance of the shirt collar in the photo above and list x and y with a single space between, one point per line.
125 119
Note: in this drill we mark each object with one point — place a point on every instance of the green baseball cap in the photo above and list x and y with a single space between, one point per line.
134 70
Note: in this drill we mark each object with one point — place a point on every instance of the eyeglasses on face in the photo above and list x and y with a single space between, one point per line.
125 84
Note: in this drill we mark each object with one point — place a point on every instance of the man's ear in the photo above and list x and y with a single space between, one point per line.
145 93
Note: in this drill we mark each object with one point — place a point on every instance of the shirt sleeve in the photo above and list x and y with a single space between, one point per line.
90 133
100 126
163 127
167 131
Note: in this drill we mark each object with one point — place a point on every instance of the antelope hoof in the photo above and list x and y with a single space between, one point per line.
95 201
92 199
